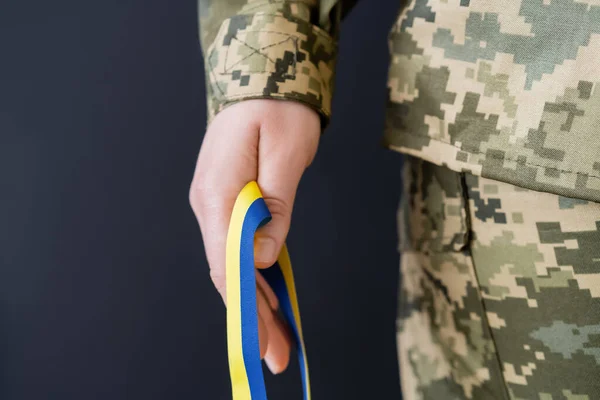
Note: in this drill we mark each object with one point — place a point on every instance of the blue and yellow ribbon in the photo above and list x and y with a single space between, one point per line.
250 213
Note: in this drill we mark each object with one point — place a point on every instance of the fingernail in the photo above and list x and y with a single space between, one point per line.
272 365
264 250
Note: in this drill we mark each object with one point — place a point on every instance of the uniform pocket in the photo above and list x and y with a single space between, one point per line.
433 216
445 346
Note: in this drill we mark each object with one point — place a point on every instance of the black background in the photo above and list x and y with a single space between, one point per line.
104 290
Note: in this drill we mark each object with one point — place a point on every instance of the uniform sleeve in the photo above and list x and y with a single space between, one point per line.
270 49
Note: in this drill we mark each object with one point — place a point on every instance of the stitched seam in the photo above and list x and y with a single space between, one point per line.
484 317
213 67
254 51
278 43
225 97
496 157
467 205
287 95
285 33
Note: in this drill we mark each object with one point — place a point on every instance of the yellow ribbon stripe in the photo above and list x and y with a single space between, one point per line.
249 213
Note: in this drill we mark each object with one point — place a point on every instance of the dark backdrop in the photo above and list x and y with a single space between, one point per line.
104 290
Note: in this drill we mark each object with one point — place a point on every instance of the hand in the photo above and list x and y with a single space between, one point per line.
272 142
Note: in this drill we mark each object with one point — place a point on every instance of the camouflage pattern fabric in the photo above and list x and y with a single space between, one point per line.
500 290
271 50
508 90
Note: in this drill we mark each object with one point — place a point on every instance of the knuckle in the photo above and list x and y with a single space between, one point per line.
192 196
278 207
197 195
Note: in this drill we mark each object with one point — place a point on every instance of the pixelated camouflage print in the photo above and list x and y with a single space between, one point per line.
325 14
508 90
537 257
268 49
500 290
444 340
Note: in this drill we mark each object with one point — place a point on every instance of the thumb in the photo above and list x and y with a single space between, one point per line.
279 191
283 159
270 239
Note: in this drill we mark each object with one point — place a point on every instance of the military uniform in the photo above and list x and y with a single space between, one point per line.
497 104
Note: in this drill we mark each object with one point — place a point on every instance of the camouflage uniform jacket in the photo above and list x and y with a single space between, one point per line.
507 90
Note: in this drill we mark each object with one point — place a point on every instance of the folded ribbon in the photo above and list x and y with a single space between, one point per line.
250 213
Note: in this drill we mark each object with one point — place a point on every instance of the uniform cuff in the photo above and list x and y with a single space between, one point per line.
269 56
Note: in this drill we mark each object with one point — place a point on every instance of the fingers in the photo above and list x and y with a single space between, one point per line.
262 285
263 333
278 345
227 162
272 142
265 295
